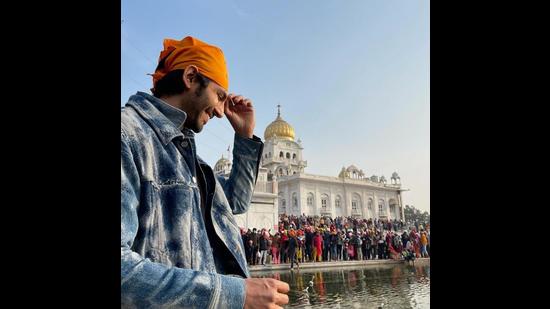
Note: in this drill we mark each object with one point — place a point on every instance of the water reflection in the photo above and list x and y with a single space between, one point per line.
390 286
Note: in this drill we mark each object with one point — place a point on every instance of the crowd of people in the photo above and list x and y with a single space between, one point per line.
304 238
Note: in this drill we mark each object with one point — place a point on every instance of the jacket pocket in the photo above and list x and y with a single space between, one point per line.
168 223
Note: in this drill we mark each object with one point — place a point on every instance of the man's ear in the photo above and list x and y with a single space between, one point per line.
189 75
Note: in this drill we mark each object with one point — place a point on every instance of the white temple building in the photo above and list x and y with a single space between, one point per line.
284 187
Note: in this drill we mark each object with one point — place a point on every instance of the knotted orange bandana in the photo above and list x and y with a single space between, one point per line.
209 60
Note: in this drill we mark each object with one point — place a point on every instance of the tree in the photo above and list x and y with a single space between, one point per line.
412 214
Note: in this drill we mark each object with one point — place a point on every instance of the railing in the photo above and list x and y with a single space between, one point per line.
264 186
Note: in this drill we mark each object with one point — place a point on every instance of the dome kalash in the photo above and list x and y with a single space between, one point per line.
279 128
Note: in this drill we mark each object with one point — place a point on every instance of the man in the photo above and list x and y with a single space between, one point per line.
340 245
309 244
249 251
326 244
284 246
180 244
263 246
333 244
255 237
292 245
367 245
244 236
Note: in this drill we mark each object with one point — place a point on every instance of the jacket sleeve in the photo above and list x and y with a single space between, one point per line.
239 187
145 284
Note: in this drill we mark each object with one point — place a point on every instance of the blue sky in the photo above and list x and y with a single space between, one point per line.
352 76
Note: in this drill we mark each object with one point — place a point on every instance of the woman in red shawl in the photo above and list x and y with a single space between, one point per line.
416 242
318 246
394 255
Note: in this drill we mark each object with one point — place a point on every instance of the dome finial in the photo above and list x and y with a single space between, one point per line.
279 128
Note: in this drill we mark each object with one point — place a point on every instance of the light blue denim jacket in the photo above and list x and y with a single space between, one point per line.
167 260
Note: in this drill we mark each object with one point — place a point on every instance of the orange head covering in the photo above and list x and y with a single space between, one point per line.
209 60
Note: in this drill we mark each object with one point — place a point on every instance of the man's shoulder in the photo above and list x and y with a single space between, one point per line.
129 119
131 123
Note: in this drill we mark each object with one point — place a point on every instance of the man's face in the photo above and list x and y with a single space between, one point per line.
203 104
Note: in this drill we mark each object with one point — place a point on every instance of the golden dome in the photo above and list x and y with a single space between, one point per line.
279 128
222 164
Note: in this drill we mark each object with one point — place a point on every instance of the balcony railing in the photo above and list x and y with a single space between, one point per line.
264 186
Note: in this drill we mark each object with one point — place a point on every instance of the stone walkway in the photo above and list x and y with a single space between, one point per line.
314 265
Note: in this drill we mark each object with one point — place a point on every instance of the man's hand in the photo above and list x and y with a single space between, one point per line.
265 293
240 113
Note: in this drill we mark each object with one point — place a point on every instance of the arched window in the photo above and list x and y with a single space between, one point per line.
280 173
281 154
324 202
356 204
337 201
381 210
310 199
293 156
294 200
370 204
288 155
282 203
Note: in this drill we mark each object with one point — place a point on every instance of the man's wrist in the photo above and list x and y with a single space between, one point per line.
246 134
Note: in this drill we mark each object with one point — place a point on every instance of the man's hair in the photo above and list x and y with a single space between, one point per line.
172 84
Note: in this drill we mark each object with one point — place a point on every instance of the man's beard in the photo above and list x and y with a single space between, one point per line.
194 125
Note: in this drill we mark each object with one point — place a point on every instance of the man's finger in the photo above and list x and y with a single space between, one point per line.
282 287
281 299
226 107
237 98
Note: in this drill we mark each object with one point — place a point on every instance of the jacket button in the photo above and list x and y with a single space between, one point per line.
184 144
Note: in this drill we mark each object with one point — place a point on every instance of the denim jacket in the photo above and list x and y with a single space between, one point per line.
168 259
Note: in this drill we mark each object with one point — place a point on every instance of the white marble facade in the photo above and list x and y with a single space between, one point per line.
334 196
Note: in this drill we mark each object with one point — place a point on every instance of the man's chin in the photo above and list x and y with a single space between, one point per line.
195 128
